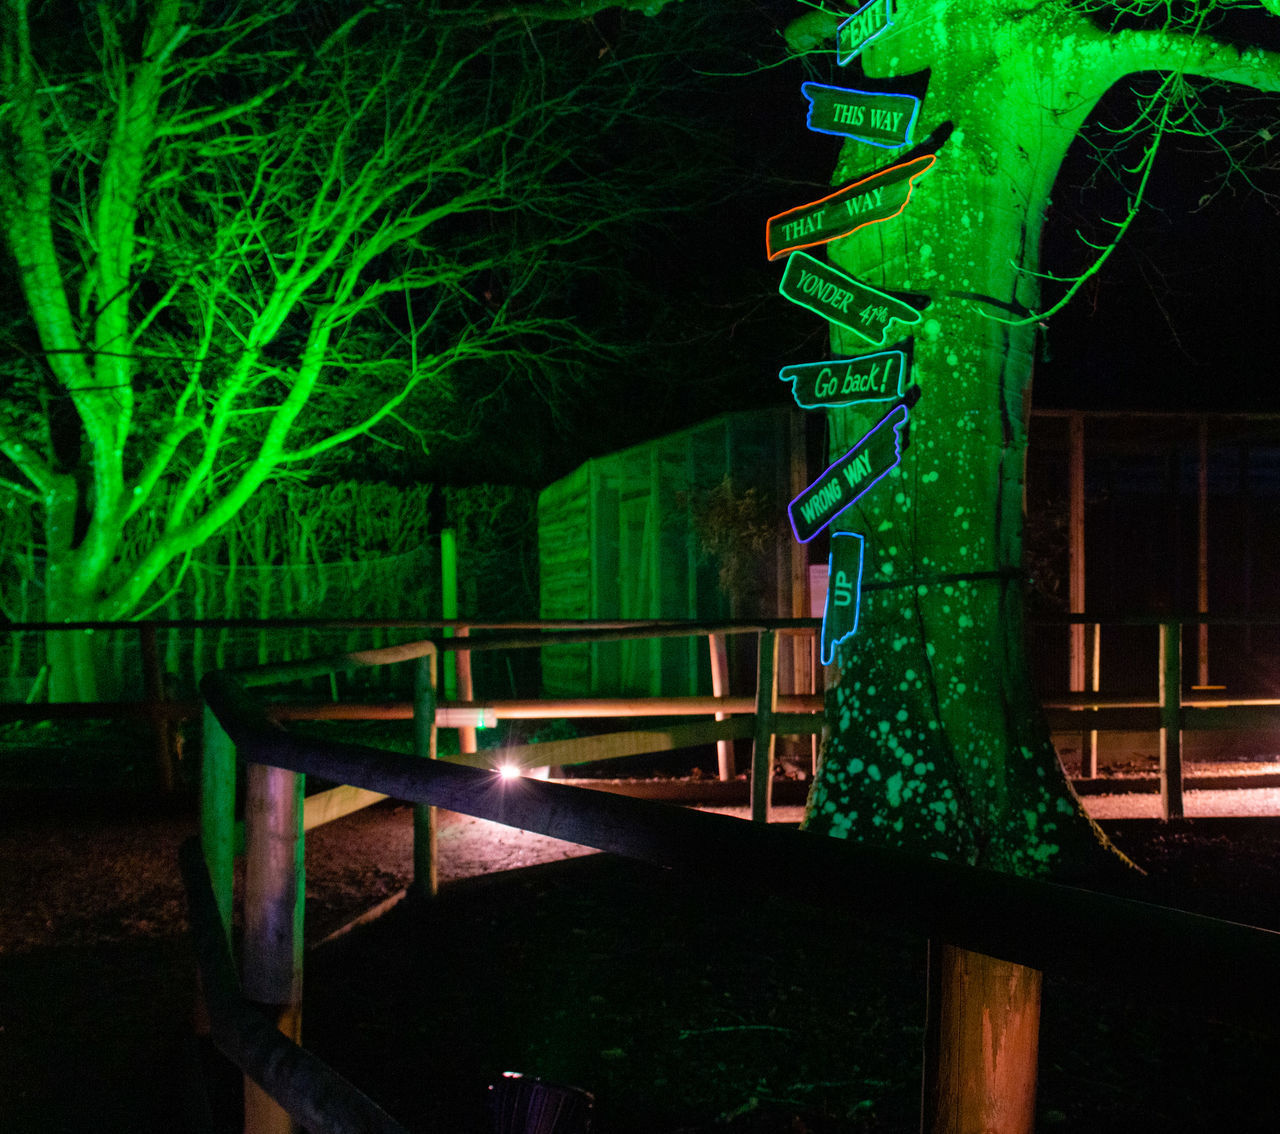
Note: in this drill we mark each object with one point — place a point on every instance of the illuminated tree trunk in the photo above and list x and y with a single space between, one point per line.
937 742
238 247
73 657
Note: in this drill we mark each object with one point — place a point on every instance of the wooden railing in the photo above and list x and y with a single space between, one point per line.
465 713
1169 713
276 815
1199 961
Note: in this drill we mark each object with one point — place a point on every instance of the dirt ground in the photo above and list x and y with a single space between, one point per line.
679 1008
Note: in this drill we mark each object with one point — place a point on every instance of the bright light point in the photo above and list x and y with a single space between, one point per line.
509 771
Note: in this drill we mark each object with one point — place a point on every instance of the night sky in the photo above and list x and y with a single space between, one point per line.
1183 315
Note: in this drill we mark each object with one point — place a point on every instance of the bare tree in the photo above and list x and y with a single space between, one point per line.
247 236
937 740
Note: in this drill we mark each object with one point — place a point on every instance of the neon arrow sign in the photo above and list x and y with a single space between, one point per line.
869 21
850 478
879 118
844 592
843 300
879 377
877 197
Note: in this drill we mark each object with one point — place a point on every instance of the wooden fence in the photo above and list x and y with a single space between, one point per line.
972 916
1169 712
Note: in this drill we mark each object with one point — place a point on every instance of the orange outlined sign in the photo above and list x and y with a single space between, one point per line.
876 197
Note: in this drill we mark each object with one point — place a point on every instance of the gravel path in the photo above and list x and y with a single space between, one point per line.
94 877
1236 803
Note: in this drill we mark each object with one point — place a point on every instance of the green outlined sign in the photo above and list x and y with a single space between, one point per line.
844 592
843 300
876 117
861 28
880 377
846 481
877 197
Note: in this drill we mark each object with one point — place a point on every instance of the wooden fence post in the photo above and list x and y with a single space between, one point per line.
425 875
720 688
981 1044
218 812
765 741
466 691
1171 720
274 888
1089 755
153 691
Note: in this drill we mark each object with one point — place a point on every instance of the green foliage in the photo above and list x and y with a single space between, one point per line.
738 530
282 240
497 530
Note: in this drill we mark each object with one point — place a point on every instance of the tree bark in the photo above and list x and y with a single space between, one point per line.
938 743
74 657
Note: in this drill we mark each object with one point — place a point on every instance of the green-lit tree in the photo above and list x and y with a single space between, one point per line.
936 741
244 238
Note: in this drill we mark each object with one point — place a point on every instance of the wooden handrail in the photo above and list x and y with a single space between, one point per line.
308 1089
1233 968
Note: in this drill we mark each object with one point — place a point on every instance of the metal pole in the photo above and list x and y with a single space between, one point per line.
1171 720
274 888
763 746
425 876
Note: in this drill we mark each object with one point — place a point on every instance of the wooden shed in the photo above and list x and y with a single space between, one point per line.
620 538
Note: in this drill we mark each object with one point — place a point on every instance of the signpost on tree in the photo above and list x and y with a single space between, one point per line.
844 592
844 482
879 118
840 299
878 377
973 998
869 21
877 197
951 708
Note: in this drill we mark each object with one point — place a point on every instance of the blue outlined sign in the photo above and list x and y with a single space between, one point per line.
878 118
879 377
844 592
843 300
846 481
877 197
861 28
